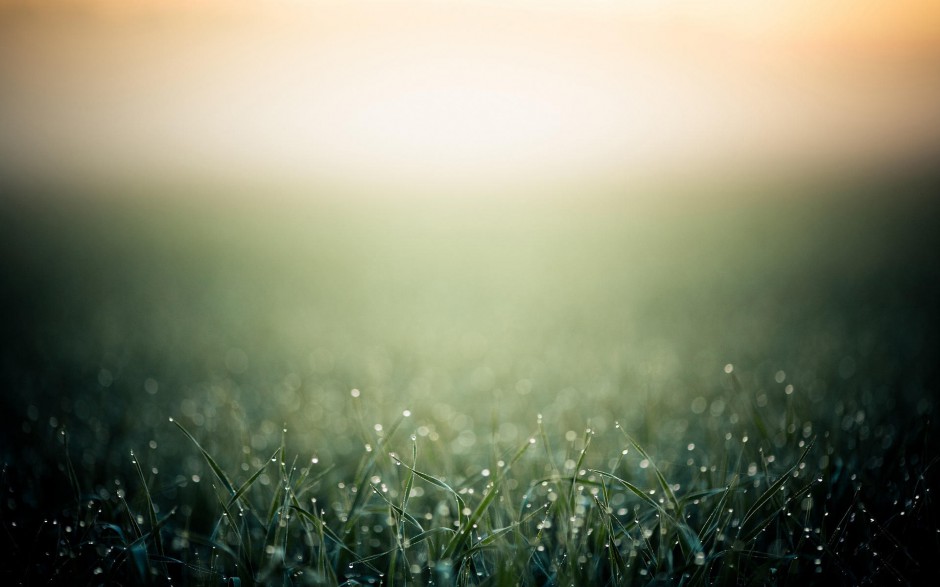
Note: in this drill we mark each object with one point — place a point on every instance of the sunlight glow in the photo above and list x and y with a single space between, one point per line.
460 93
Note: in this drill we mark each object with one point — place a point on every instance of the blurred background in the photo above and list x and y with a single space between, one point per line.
467 96
236 213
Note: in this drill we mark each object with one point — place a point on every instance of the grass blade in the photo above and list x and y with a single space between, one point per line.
216 469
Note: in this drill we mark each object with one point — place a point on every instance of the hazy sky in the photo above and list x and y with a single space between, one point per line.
462 92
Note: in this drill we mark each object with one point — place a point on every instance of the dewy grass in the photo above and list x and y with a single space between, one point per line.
580 525
400 522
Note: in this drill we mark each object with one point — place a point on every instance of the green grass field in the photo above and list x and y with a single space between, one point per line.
698 385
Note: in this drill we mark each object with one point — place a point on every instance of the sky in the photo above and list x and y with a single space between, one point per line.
463 94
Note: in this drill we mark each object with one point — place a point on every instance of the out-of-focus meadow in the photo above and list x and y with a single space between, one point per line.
240 316
696 226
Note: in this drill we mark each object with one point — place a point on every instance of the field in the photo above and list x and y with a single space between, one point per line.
698 384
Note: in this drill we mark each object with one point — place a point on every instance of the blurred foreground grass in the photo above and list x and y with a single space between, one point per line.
723 332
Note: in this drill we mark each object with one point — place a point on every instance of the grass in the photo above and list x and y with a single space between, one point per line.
774 506
528 397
